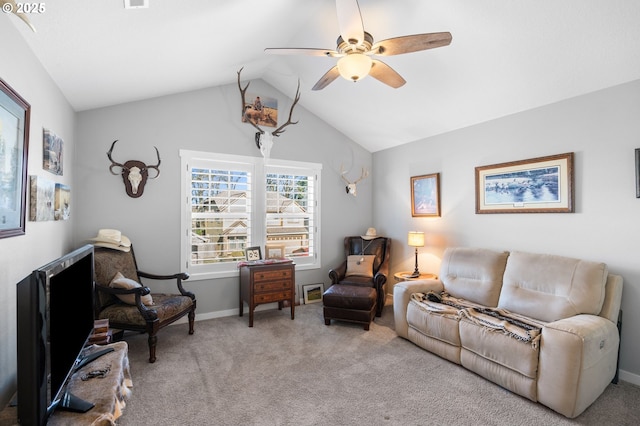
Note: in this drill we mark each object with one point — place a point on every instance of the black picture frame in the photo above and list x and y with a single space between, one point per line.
253 253
637 172
15 114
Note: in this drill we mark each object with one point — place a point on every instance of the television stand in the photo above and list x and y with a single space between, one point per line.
106 393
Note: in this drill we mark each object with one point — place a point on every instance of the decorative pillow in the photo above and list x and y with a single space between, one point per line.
360 264
120 281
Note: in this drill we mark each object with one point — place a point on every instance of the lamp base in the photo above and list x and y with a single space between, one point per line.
415 274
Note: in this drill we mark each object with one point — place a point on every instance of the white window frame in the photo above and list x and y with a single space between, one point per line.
259 168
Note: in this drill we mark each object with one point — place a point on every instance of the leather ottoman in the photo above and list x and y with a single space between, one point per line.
349 303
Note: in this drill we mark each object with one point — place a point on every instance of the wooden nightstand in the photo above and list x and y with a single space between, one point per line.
406 276
267 283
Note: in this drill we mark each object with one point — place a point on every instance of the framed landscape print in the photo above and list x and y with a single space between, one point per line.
425 195
14 144
274 251
312 293
538 185
52 146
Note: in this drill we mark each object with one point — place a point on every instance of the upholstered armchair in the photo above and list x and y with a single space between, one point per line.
366 264
128 305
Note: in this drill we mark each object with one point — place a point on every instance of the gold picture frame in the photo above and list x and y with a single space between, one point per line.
537 185
425 195
274 251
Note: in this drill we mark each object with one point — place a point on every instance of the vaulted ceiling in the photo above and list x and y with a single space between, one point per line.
506 56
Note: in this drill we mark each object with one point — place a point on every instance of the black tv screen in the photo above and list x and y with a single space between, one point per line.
55 319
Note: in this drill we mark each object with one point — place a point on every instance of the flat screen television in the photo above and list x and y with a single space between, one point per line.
54 319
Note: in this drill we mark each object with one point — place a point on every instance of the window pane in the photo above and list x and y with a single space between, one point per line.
290 211
220 215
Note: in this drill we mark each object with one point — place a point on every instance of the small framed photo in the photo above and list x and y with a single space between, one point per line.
425 195
312 293
274 251
253 253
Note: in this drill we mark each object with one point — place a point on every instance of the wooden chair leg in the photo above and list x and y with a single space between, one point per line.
153 340
192 317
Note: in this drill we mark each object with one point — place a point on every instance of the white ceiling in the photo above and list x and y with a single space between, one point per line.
506 56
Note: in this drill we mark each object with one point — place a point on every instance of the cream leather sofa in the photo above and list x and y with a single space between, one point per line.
551 335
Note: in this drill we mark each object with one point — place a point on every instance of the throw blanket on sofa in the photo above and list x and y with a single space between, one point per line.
500 320
503 321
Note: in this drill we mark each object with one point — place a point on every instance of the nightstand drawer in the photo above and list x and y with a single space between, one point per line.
260 276
272 286
272 297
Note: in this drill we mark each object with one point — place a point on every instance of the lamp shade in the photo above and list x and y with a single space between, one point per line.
416 239
354 66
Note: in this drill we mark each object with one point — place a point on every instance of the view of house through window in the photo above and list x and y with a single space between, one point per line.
238 202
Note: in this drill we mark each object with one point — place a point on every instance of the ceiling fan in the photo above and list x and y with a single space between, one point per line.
355 48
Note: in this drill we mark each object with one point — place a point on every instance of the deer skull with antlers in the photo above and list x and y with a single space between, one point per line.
351 186
134 173
264 140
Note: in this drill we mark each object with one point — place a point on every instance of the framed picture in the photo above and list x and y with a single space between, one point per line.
262 110
42 200
15 113
274 251
52 152
253 253
637 172
425 195
312 293
62 205
538 185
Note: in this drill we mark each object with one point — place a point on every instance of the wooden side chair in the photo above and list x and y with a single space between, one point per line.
128 305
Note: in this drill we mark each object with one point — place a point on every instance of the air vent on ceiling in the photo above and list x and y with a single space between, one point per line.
136 4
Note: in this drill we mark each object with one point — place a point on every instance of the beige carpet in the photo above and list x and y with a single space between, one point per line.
301 372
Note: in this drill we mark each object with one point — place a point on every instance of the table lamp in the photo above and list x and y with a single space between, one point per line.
416 239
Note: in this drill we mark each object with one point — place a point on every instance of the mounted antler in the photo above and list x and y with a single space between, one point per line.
351 186
134 173
264 140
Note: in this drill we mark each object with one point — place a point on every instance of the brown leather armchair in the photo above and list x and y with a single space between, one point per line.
136 316
381 248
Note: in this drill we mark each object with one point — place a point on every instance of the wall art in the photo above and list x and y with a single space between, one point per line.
42 199
537 185
262 110
274 251
15 113
62 205
52 152
312 293
425 195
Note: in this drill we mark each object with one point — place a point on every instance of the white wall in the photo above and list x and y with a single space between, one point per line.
43 241
601 128
206 120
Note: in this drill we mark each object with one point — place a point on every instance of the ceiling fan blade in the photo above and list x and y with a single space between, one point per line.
329 76
411 43
302 51
384 73
350 21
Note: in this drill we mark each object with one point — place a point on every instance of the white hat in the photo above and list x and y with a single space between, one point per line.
111 238
370 235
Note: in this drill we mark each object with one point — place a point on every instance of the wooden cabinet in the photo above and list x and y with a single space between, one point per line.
267 283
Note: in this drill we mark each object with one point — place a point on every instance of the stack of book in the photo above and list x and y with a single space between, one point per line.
101 333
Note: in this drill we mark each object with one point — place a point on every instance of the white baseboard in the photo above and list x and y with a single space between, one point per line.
634 379
227 313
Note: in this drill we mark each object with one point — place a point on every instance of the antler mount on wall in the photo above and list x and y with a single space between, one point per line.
134 173
264 140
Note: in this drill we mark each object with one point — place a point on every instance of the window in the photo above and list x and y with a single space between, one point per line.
234 202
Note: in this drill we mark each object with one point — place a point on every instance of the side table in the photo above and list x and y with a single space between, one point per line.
406 276
267 283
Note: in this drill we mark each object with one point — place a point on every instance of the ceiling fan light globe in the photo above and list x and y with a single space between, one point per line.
354 66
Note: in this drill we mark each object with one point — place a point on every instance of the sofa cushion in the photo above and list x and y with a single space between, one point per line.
473 274
549 288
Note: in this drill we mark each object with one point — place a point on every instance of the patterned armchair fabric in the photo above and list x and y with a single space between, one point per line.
166 308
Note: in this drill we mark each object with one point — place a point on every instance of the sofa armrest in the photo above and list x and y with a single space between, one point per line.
402 295
612 298
578 360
